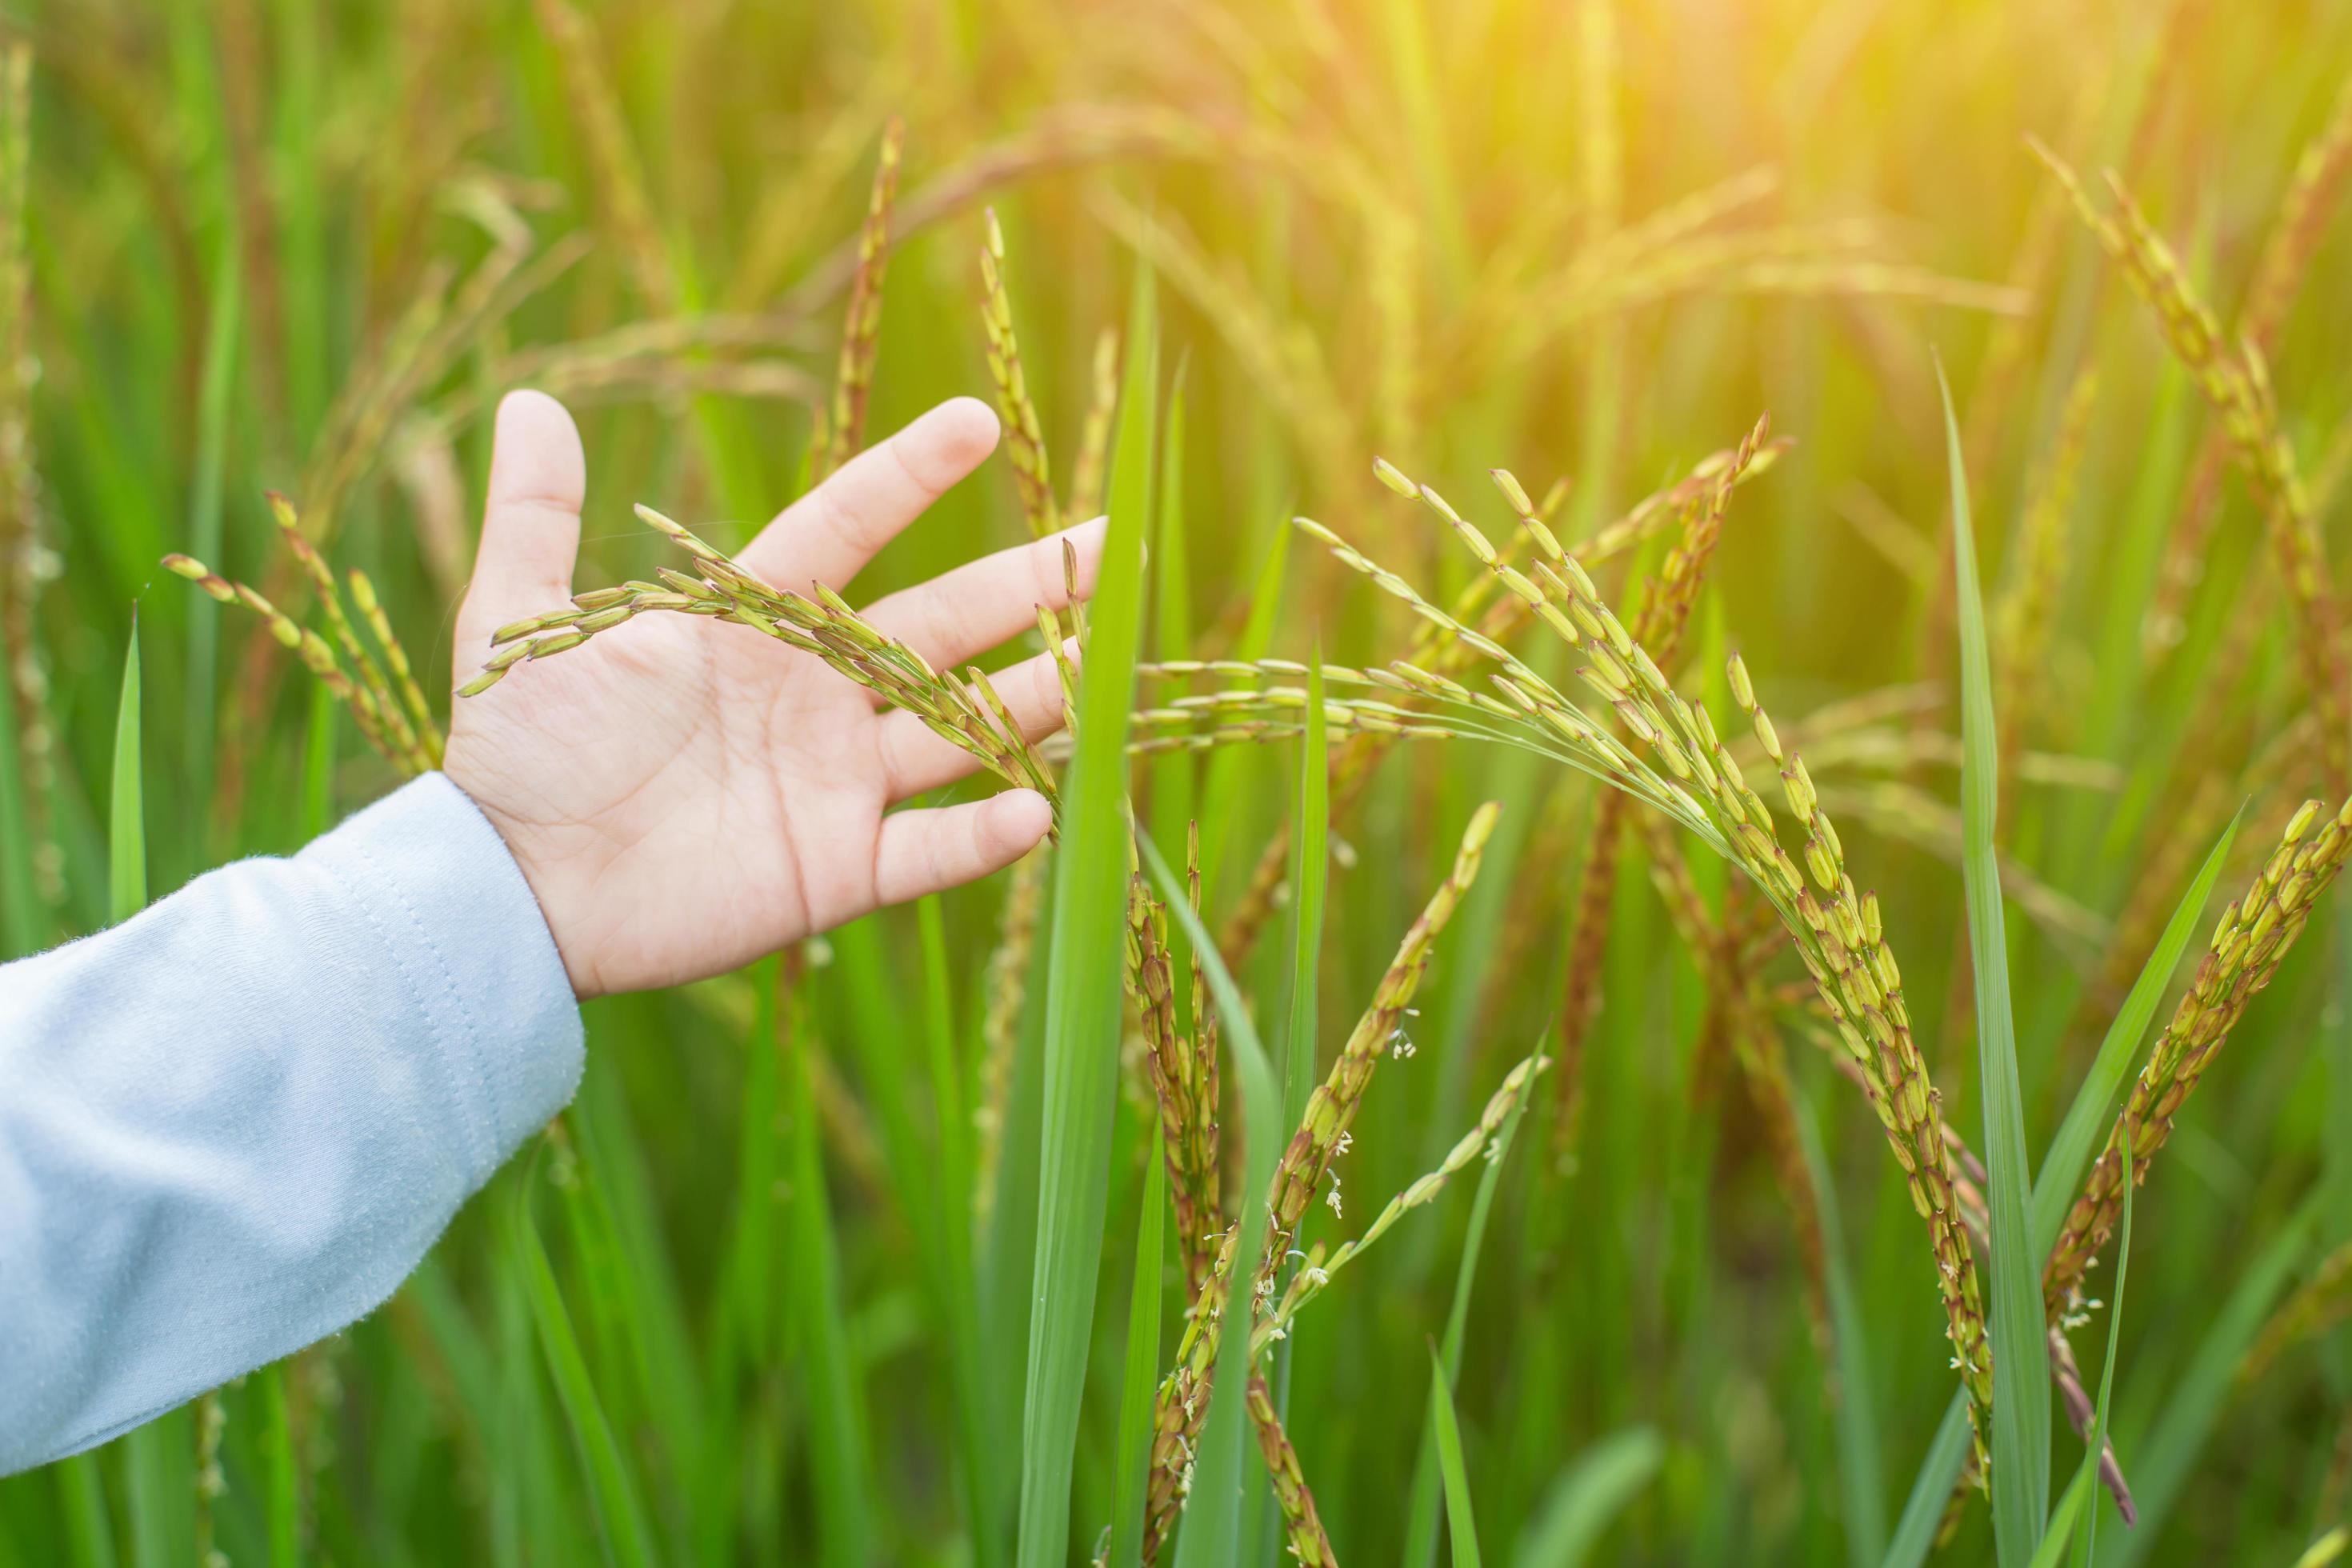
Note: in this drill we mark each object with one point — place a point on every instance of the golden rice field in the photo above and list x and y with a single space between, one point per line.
1776 1029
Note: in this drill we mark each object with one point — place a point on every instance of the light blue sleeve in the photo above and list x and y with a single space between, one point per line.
234 1123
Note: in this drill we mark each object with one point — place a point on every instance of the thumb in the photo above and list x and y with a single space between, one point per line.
531 523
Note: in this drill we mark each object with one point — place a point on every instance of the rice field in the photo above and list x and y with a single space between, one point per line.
1691 914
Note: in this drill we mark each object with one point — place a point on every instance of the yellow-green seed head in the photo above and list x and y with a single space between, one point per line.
1515 494
1388 474
1743 691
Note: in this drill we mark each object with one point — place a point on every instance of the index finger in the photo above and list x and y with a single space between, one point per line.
834 530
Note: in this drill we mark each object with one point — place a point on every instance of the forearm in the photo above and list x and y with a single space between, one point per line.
233 1124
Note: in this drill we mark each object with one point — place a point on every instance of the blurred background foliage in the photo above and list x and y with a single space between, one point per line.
279 244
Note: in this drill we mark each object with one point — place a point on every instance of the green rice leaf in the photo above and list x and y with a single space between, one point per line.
1589 1494
1084 985
1939 1472
613 1496
2164 1458
160 1457
1212 1531
959 1286
1460 1525
127 819
90 1532
1861 1481
2064 1518
1421 1528
281 1496
2092 1112
821 1331
318 760
2020 1354
2053 1188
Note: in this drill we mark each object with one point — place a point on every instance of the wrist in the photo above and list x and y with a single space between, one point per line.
542 867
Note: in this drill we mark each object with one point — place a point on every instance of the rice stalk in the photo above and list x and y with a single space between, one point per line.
2320 1303
1314 1278
2248 944
853 379
1185 1394
2295 237
1969 1184
1836 931
383 729
1025 437
1094 436
1739 1013
964 712
790 208
1304 1526
620 175
1500 616
2235 379
2026 613
408 726
1658 627
1183 1080
1287 362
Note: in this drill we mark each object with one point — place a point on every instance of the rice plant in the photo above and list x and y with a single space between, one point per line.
1446 1087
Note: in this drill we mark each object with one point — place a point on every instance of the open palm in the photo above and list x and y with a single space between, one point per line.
683 795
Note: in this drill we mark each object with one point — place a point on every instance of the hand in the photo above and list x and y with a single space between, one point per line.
683 795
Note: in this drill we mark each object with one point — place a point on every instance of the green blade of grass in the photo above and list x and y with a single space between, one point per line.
90 1532
1460 1526
1421 1528
1084 987
281 1496
2053 1185
2063 1517
126 879
821 1332
613 1496
1212 1531
1577 1509
319 762
959 1285
2092 1112
1931 1490
159 1457
1141 1385
2164 1459
1861 1482
2020 1354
